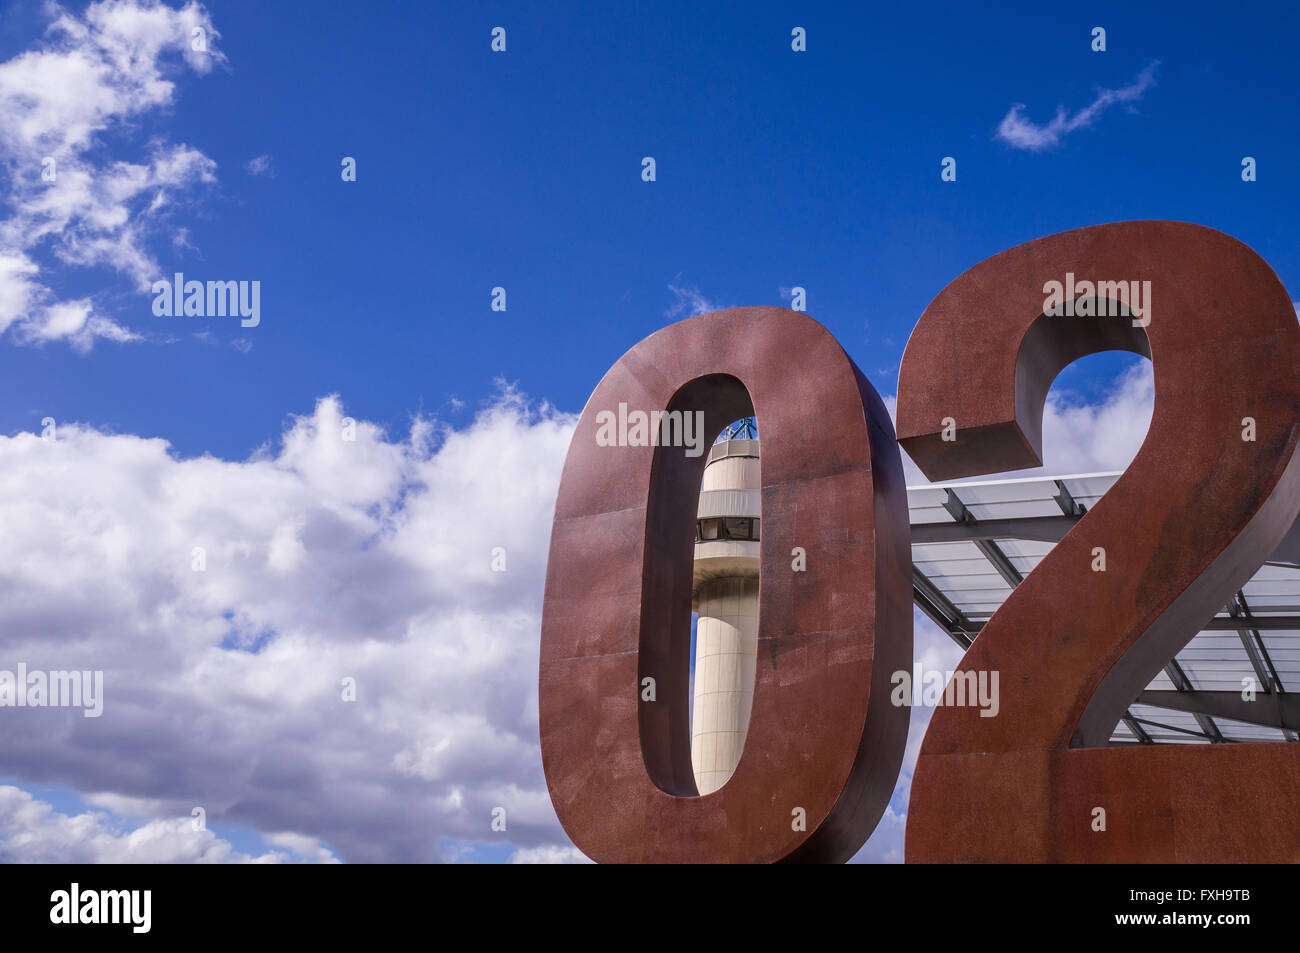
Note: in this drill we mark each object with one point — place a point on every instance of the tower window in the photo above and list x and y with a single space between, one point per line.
715 528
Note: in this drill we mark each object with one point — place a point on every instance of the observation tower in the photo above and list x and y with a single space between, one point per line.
724 591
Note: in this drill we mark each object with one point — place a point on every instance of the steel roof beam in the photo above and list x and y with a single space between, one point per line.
963 517
1183 684
1263 624
1270 711
1067 502
1260 660
1041 529
1137 729
1184 731
930 600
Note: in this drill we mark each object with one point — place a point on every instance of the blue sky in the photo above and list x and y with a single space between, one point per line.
478 169
521 169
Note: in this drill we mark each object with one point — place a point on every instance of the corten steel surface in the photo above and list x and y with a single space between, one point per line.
1190 519
823 735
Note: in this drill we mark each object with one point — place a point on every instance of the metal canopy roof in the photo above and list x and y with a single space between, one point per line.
973 542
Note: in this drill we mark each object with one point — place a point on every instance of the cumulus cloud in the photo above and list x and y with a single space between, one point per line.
227 601
1022 133
1081 437
74 322
32 831
17 287
70 204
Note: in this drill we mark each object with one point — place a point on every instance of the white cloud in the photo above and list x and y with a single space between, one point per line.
687 301
1022 133
304 847
325 559
73 322
90 74
260 165
551 854
1088 438
33 832
17 289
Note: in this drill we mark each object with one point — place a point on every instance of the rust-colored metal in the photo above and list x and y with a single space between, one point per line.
823 735
1197 511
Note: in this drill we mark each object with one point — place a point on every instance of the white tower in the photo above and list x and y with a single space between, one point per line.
724 592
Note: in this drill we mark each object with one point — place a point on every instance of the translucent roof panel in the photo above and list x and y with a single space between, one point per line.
1241 731
926 505
1215 660
1025 554
1089 489
993 501
1274 589
1123 734
1284 651
1161 683
1168 727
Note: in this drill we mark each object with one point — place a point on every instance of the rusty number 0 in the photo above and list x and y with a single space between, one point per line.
823 736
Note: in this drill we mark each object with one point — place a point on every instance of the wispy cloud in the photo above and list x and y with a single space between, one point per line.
1022 133
687 301
260 165
71 204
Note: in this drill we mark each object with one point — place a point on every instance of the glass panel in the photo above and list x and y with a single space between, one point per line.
737 527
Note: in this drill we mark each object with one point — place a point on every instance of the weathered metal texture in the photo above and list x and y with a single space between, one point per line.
823 735
1195 513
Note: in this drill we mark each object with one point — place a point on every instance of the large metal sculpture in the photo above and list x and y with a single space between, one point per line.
1213 490
824 742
